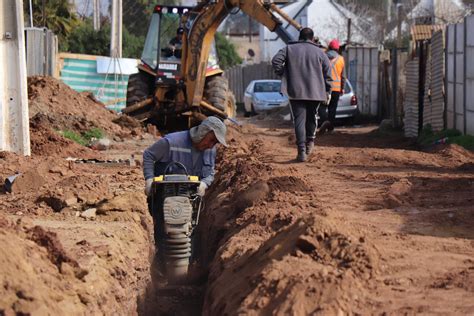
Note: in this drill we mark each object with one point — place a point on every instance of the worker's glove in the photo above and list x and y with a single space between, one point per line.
202 189
148 185
328 98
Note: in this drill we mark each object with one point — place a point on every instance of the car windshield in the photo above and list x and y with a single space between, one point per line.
267 87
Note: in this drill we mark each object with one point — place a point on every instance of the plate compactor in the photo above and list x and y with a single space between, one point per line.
175 207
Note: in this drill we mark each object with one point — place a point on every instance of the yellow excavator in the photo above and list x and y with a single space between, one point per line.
179 82
178 85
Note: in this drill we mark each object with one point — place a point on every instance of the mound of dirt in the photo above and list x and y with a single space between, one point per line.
67 109
46 142
275 245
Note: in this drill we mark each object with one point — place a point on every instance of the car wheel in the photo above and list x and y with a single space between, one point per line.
253 112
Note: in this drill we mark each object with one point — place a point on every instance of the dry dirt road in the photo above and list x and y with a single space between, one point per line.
368 225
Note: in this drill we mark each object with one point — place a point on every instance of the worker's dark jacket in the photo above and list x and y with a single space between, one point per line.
305 69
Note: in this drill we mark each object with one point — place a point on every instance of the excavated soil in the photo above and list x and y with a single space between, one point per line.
368 225
54 107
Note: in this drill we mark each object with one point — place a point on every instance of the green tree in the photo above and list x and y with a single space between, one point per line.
132 44
85 40
56 15
136 16
226 52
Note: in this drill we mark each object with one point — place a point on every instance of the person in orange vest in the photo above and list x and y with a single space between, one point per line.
328 114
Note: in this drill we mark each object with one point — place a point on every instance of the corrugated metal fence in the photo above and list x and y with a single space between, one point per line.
433 105
41 51
410 106
240 76
362 70
460 76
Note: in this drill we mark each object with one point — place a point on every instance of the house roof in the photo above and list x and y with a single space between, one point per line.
424 32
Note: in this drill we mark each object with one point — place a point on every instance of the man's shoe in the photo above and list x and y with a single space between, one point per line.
301 156
309 147
324 127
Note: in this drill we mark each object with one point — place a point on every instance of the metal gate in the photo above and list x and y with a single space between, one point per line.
362 70
460 76
433 109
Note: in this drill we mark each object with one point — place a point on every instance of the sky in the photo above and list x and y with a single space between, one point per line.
84 7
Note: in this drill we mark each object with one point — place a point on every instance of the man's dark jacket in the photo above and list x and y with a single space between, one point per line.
305 69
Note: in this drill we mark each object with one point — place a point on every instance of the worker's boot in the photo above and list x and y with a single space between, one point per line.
309 146
302 156
324 127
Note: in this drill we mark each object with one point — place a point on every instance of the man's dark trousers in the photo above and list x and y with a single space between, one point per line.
304 116
331 109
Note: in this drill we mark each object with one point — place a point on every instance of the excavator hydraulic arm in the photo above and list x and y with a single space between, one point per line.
204 21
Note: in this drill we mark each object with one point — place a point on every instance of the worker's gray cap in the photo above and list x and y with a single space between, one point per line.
218 127
212 123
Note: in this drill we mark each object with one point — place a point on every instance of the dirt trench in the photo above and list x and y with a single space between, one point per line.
369 225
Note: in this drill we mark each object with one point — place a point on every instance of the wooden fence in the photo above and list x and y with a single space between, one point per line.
41 51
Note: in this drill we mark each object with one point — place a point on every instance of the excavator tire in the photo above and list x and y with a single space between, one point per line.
139 88
218 94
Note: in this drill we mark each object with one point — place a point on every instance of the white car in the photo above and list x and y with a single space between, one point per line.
264 95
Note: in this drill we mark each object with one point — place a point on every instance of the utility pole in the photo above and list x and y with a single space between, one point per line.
96 14
116 30
44 12
31 14
250 29
349 26
14 121
388 6
399 25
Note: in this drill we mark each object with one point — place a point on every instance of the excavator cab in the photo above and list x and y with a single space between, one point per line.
162 50
163 45
160 73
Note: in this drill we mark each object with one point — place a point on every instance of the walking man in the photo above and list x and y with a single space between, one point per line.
305 69
337 87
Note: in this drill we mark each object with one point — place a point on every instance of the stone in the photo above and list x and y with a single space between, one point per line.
89 213
101 144
71 201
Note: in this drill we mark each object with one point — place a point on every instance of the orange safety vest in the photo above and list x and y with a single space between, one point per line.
337 68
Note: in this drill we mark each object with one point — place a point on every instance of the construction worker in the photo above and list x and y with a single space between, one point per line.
176 43
194 148
305 70
328 114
